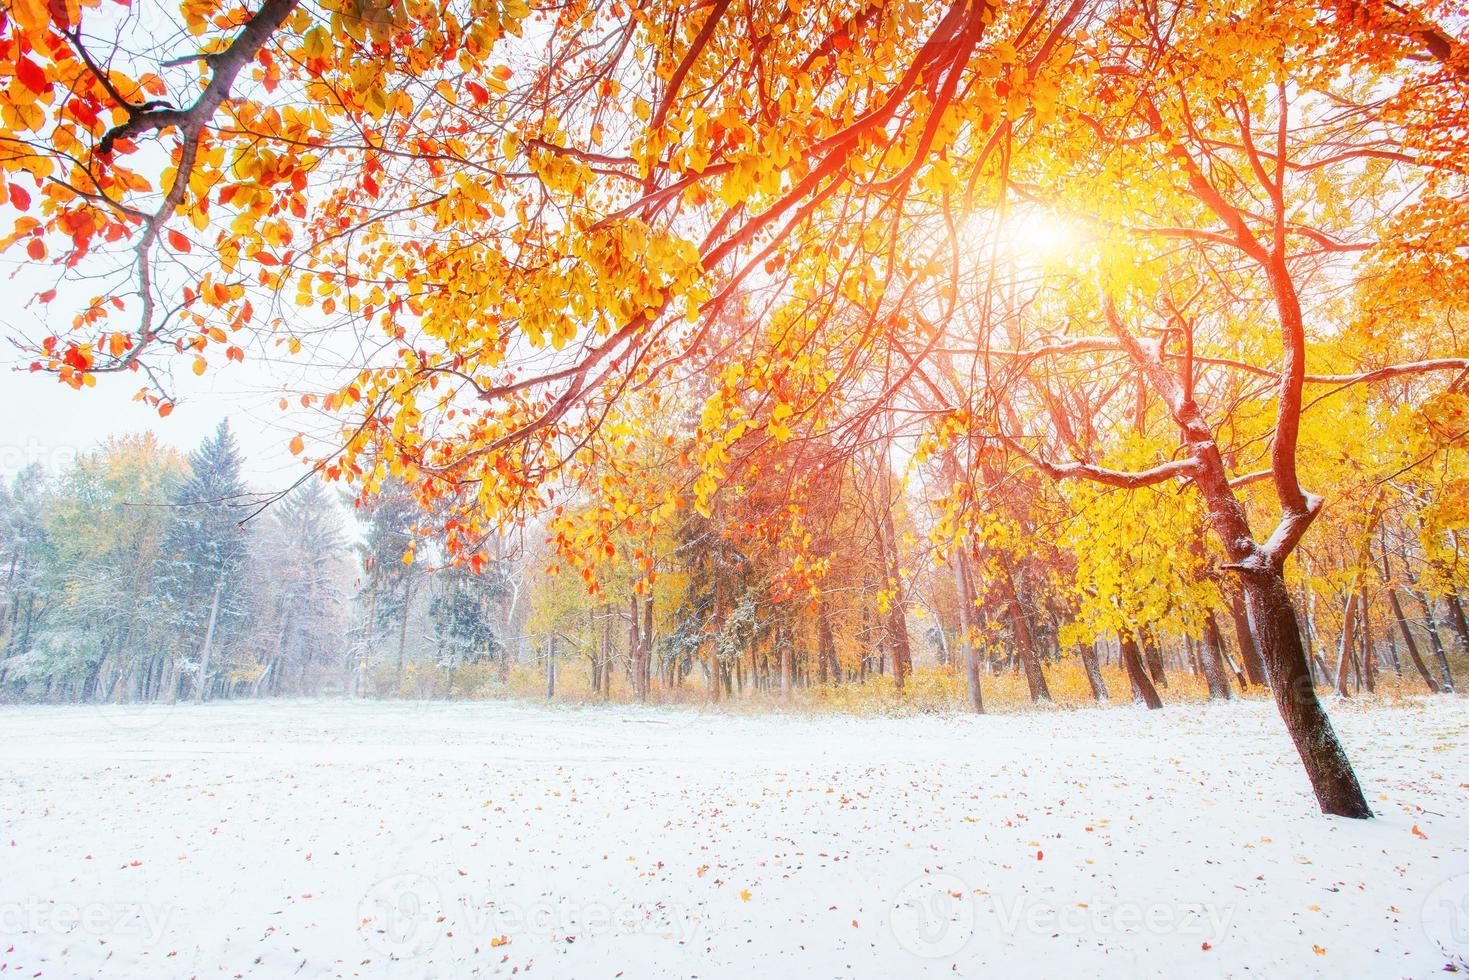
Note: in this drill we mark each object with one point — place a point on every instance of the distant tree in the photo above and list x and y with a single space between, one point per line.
463 611
301 570
390 581
102 636
204 599
23 548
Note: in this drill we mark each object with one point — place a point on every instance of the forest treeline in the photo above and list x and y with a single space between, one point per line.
141 575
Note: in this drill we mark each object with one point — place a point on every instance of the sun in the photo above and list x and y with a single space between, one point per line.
1027 234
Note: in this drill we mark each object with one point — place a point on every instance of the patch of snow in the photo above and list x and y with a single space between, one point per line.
390 839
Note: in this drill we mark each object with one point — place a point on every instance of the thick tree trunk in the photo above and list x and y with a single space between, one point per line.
1456 616
1279 637
1142 685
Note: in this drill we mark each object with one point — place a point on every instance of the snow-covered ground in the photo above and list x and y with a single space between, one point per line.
335 839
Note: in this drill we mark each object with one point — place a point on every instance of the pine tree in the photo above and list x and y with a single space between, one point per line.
390 582
204 551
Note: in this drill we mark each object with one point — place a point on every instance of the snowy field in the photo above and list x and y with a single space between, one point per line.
333 839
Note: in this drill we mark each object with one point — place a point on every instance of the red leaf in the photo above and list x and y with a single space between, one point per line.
177 240
19 197
31 76
36 249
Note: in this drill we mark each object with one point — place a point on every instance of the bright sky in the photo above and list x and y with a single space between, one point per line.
42 420
50 423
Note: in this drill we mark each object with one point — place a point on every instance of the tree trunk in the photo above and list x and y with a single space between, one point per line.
826 666
1364 633
1408 641
1035 679
1344 647
647 640
1249 653
1093 673
1211 659
964 585
403 634
1142 685
1278 635
897 626
201 689
1456 616
635 649
1445 679
1153 657
786 662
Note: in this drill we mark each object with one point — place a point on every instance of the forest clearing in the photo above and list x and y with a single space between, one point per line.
400 839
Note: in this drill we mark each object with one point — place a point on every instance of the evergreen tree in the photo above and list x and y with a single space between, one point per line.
463 614
205 550
390 583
